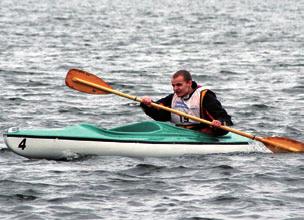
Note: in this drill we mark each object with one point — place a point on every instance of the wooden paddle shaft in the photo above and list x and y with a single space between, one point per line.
155 105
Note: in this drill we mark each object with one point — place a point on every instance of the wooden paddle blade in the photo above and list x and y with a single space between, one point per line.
74 74
284 145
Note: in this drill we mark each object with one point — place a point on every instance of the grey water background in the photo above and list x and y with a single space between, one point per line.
249 52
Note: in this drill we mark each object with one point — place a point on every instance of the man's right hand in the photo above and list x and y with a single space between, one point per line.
146 100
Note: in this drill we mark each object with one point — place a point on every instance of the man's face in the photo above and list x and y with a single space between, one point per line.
181 87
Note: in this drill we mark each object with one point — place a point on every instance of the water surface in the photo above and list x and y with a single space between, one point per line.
249 52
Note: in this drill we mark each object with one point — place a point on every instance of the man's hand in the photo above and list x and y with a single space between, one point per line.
216 123
146 101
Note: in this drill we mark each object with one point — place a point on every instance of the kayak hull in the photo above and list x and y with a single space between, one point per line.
151 139
59 148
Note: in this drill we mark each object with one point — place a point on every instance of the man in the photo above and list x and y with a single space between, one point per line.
192 99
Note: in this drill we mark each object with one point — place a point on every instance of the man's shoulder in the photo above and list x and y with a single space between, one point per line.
166 100
210 94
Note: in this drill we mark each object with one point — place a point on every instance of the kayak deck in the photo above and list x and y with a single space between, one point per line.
148 131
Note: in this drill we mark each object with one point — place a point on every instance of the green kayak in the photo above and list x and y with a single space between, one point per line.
142 139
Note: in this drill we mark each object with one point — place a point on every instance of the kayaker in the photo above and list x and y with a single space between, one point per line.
192 99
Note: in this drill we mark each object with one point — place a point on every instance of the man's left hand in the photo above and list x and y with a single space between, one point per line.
216 123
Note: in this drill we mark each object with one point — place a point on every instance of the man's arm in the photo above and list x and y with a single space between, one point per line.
216 110
159 114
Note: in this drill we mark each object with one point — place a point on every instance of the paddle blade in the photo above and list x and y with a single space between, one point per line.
74 74
284 145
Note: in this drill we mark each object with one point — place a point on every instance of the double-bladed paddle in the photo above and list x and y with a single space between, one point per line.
90 83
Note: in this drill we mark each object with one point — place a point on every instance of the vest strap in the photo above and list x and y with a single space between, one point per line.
203 112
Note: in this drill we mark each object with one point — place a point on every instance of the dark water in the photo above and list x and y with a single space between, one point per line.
249 52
